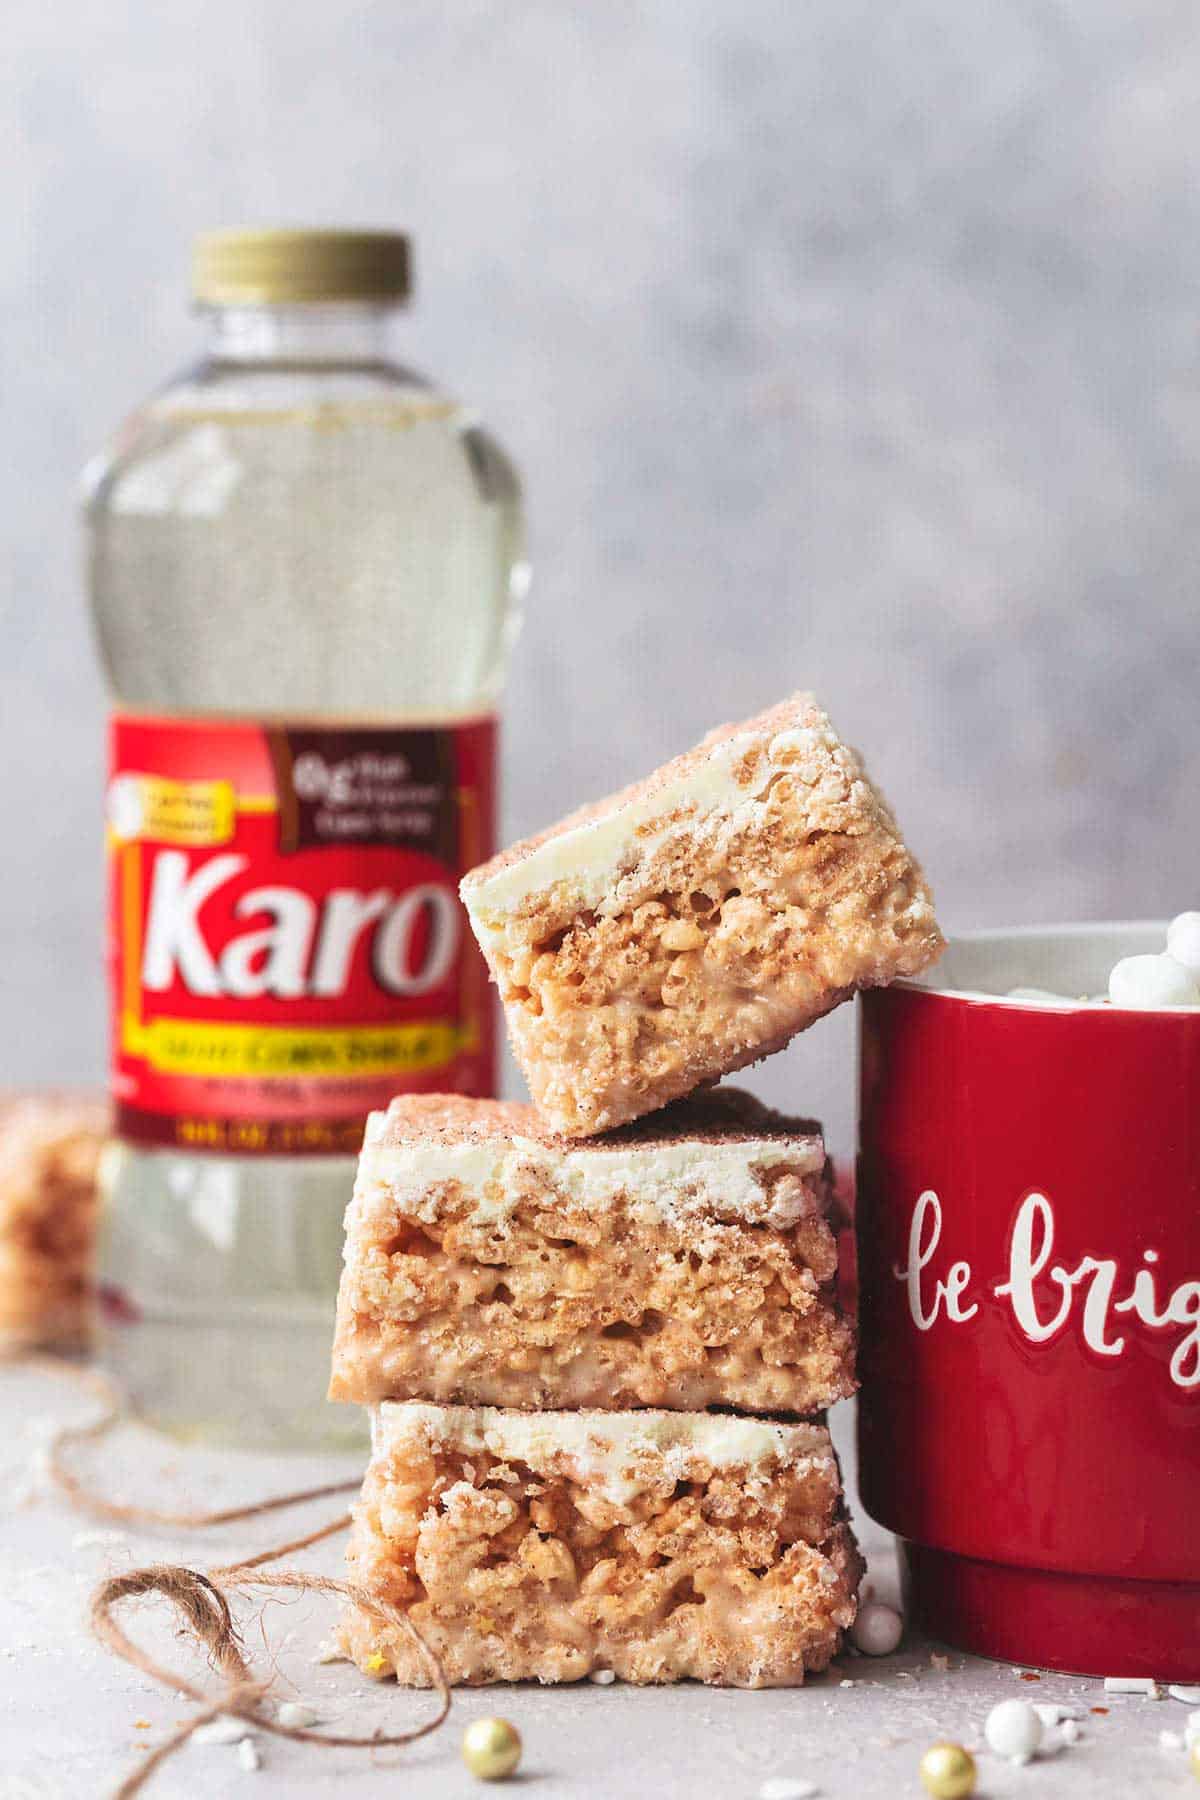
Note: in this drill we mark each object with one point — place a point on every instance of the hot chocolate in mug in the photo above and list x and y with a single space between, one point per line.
1029 1255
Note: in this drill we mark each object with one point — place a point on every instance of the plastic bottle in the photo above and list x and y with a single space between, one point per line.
305 567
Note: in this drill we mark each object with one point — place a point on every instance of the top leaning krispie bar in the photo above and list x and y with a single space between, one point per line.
696 921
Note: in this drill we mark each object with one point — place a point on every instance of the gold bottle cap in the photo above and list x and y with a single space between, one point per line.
263 268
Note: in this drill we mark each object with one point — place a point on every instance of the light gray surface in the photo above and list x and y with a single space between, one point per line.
70 1724
840 345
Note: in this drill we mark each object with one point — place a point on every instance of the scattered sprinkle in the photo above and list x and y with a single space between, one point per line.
1013 1730
1189 1695
938 1661
1100 1709
1028 1675
947 1771
1051 1713
375 1662
787 1787
848 1683
224 1729
602 1677
878 1629
141 1724
296 1714
248 1757
1133 1684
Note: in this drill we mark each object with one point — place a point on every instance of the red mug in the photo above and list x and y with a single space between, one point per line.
1028 1228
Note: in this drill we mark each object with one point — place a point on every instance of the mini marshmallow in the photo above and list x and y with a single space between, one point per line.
1183 940
1148 982
1013 1730
1133 1684
878 1629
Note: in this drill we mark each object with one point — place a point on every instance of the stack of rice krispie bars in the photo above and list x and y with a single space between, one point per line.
598 1334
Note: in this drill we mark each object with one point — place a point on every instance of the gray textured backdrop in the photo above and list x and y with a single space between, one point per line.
841 344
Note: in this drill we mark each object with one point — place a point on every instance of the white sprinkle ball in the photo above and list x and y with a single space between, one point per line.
878 1629
1183 940
1013 1730
602 1677
1148 982
296 1715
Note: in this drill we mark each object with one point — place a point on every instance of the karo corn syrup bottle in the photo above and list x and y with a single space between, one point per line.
305 567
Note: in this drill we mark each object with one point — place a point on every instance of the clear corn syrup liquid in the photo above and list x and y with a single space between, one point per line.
297 529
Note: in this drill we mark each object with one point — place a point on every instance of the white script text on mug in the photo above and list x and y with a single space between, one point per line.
1095 1282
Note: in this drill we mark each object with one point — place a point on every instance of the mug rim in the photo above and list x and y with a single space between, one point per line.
1072 932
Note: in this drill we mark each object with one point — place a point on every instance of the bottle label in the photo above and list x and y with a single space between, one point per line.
287 948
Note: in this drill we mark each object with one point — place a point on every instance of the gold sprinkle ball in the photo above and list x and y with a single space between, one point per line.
491 1749
948 1772
1194 1759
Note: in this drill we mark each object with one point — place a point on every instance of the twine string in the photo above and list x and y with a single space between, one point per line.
200 1599
116 1410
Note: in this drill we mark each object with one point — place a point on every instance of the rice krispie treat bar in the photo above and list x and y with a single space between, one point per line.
698 920
545 1546
49 1153
683 1262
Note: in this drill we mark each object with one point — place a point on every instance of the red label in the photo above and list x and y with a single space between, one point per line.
287 947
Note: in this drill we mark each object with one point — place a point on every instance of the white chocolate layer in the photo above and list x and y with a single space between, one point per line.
728 1178
587 859
618 1452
